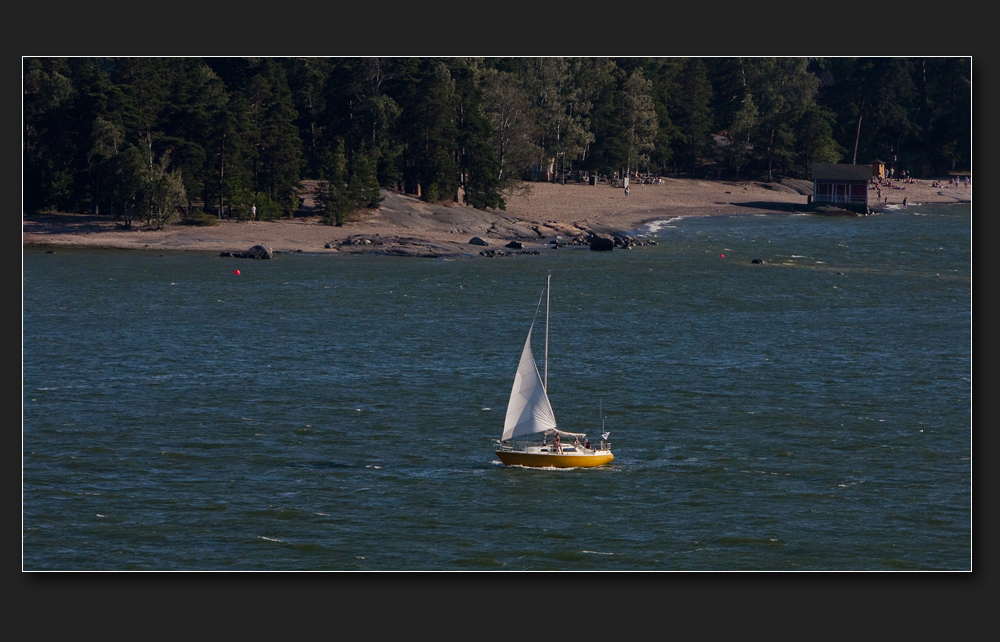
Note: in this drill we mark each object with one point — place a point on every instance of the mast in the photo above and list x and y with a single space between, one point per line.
548 285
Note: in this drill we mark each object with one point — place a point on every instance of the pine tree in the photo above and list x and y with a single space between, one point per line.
306 80
507 108
639 116
478 166
784 90
661 74
430 133
48 145
335 196
741 132
814 139
872 97
692 106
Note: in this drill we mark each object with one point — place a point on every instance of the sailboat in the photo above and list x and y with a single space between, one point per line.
530 436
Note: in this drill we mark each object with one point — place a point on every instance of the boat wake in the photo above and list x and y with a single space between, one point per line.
558 469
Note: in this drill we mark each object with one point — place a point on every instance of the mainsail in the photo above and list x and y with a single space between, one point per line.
529 410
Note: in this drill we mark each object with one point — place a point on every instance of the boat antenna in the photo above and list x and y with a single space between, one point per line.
548 284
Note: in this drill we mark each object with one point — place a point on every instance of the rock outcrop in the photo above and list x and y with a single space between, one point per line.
259 251
601 242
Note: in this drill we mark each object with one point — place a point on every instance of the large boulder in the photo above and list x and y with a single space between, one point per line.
260 251
477 240
601 242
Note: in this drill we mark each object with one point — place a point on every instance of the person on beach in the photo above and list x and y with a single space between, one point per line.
253 212
626 190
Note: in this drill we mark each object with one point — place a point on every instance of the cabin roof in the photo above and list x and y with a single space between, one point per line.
841 172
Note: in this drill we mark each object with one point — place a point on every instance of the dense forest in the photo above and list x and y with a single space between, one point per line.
135 138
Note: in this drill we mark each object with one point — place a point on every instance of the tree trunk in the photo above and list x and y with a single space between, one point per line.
222 173
857 138
770 154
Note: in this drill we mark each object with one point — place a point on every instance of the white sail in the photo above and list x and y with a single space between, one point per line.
529 410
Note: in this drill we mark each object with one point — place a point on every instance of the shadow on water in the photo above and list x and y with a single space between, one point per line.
788 208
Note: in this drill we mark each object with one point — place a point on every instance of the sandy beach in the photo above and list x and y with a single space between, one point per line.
407 226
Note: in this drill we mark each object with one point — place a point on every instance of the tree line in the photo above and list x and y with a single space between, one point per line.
136 137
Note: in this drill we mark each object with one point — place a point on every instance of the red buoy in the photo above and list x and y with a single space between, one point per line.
237 272
721 256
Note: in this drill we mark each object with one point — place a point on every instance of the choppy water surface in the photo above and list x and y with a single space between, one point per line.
320 413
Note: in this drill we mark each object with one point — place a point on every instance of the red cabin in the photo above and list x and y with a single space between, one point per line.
841 185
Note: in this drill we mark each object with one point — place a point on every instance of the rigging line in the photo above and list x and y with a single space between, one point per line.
548 288
538 307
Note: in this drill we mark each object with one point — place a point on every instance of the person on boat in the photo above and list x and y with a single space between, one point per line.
555 444
586 444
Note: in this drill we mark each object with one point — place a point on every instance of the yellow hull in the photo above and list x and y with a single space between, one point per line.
553 460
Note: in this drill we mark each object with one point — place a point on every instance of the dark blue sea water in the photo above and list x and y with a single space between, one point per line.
339 413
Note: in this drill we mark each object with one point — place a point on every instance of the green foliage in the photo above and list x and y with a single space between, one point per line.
344 194
506 107
429 130
661 75
243 202
478 164
49 149
639 117
872 101
234 131
267 209
814 136
694 116
123 185
198 217
742 132
336 204
362 187
164 192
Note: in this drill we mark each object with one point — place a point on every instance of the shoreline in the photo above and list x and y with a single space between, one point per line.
407 226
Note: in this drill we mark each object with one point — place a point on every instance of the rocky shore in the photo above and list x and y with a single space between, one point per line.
547 216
